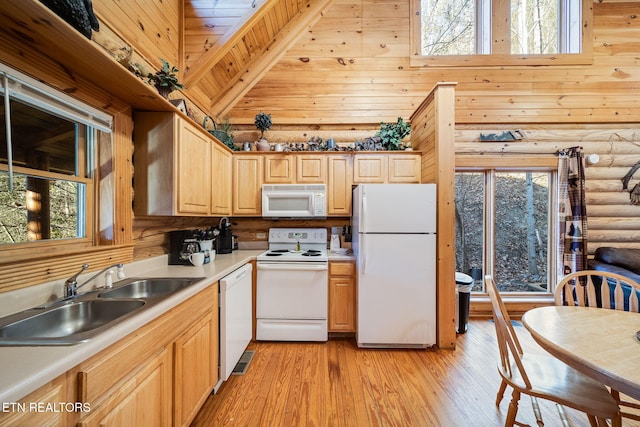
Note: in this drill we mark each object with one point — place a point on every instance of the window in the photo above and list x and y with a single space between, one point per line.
503 228
500 32
46 162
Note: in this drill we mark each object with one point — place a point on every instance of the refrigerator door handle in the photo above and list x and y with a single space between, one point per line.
362 256
363 211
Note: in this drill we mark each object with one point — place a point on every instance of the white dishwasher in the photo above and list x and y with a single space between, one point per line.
235 301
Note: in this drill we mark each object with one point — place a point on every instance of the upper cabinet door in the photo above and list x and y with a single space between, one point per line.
404 168
247 185
172 166
279 169
194 172
311 168
383 168
221 176
370 168
339 185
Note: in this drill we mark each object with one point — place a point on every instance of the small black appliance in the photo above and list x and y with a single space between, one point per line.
224 241
181 245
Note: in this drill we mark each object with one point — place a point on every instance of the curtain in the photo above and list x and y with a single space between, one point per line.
572 213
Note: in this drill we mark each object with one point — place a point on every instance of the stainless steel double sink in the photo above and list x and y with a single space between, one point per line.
80 318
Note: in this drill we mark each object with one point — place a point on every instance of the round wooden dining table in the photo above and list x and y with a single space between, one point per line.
600 343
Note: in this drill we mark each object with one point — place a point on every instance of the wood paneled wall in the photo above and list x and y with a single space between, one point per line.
353 67
432 129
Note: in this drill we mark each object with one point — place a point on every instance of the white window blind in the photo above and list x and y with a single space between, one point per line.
41 96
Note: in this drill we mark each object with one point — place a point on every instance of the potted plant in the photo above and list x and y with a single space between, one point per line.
391 134
223 134
263 123
165 79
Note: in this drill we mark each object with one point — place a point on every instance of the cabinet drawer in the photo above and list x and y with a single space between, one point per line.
341 268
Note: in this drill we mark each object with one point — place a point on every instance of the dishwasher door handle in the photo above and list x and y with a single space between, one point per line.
240 276
293 266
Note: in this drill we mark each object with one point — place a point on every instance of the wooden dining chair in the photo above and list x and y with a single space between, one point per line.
545 377
621 293
585 288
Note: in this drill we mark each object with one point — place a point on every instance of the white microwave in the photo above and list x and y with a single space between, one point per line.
294 201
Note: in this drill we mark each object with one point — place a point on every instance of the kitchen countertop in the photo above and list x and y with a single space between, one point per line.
341 257
25 369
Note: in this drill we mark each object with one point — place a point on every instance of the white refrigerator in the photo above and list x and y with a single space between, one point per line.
394 241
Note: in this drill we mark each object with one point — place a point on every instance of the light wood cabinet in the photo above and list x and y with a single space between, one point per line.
279 169
180 170
339 185
222 173
159 375
386 168
342 296
404 168
370 168
247 185
195 369
22 414
144 399
193 171
295 168
311 168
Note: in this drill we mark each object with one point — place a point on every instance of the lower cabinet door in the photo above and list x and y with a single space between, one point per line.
143 400
195 369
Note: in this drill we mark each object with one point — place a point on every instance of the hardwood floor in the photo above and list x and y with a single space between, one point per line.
337 384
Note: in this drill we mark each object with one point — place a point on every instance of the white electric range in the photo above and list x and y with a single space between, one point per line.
292 286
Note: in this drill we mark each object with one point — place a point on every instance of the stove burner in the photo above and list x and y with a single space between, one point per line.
312 253
280 251
274 254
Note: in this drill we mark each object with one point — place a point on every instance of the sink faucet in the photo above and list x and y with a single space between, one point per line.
71 284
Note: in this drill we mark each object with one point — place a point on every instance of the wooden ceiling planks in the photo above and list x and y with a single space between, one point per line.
242 72
220 48
206 21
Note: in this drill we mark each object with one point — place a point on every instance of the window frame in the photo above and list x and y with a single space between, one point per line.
22 88
543 163
585 57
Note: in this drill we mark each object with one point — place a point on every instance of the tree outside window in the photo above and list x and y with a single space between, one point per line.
501 32
503 228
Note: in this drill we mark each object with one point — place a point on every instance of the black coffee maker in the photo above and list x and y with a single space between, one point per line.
182 244
224 241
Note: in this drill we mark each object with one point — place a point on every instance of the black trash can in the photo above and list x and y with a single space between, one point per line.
464 283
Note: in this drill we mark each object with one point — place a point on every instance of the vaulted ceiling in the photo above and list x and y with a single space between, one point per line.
230 44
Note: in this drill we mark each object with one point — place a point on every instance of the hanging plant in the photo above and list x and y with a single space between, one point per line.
165 79
391 134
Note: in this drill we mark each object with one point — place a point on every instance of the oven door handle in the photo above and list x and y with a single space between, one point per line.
293 266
